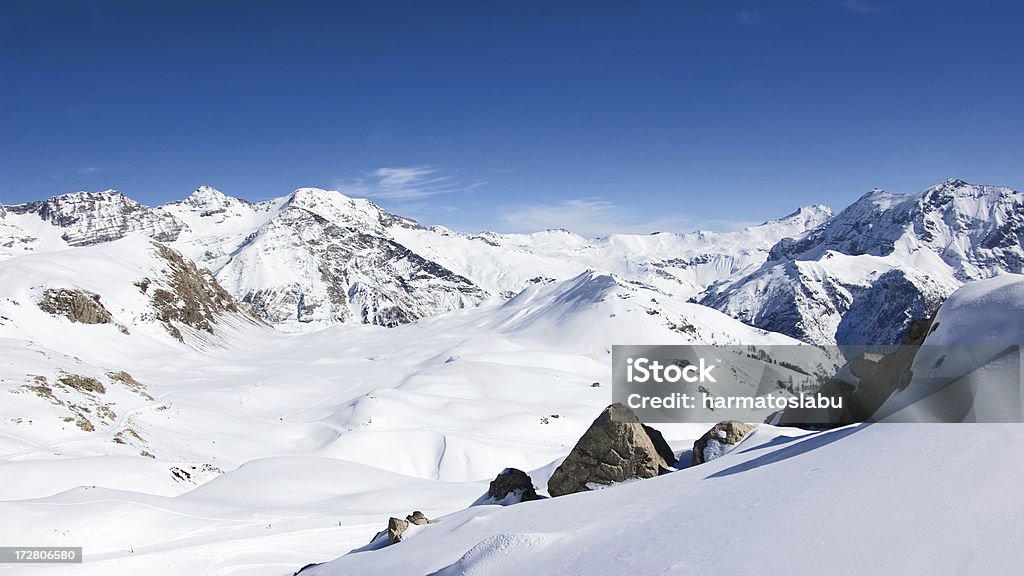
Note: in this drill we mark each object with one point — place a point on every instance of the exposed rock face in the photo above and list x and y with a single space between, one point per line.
186 295
75 305
512 481
95 217
615 448
664 450
728 432
882 312
864 383
396 527
347 267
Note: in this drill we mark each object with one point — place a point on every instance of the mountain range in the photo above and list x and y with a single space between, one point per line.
216 386
316 258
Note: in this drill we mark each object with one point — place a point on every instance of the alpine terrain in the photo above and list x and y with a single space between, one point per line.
217 386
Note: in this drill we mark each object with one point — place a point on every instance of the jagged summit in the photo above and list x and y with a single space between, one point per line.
863 275
209 199
95 217
816 213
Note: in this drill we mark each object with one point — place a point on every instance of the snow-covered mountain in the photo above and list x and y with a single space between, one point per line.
862 276
319 258
677 264
316 258
93 217
149 418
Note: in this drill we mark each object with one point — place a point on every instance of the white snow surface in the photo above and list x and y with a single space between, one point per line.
250 451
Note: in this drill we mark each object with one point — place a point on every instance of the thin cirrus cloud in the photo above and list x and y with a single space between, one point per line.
85 171
590 217
861 6
405 184
749 17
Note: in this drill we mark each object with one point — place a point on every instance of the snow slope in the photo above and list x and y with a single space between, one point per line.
848 501
969 368
220 441
245 450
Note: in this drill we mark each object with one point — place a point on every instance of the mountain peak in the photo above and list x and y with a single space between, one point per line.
95 217
208 197
810 212
311 194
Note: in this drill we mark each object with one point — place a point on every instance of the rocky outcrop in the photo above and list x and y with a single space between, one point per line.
75 305
863 384
186 295
511 486
397 527
616 448
718 440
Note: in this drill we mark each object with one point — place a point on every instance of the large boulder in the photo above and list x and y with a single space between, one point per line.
863 384
719 439
512 486
616 448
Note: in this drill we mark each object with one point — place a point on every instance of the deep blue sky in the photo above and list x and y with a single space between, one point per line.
599 116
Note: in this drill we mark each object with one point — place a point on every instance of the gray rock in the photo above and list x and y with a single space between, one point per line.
396 527
664 450
727 432
417 518
616 448
512 480
75 305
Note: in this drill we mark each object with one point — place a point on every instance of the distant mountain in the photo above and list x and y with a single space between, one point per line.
316 258
862 276
323 258
93 217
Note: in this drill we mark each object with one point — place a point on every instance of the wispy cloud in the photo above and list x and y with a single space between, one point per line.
749 17
861 6
86 170
405 184
591 217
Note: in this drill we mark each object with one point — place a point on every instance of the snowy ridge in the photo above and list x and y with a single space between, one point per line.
325 259
316 258
95 217
679 264
887 259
